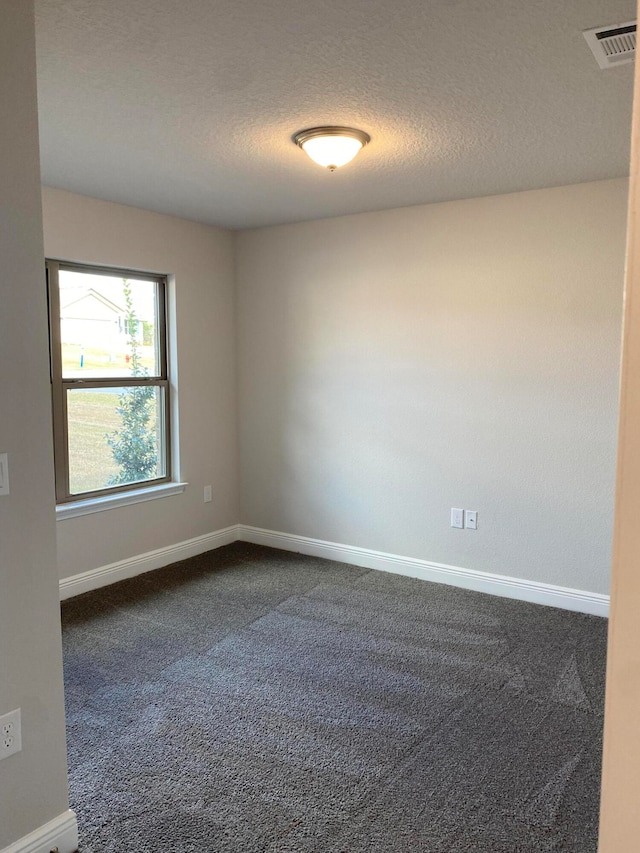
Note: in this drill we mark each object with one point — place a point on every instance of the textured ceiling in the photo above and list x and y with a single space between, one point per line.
188 106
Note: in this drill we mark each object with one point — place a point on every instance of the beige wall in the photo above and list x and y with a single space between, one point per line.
394 365
33 782
77 228
620 815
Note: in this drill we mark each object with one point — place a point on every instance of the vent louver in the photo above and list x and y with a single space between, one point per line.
614 45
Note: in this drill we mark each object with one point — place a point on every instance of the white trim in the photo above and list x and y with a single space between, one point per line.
502 585
75 508
129 568
61 832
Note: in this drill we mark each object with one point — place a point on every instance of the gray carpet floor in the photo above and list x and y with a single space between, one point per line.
252 701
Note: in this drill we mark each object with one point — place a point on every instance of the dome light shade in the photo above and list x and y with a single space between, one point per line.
331 147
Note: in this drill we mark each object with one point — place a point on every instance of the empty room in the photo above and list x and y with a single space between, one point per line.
320 435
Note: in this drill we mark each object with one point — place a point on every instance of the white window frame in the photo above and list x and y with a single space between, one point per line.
108 497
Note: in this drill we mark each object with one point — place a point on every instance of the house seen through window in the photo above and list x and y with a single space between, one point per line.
109 380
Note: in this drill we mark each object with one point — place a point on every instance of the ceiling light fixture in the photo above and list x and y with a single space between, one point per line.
331 147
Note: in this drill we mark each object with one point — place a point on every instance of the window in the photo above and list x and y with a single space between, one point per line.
109 380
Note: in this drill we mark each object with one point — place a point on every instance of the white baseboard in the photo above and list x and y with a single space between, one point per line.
60 833
502 585
507 587
129 568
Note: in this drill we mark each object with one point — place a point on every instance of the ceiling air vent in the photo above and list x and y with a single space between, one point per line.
613 45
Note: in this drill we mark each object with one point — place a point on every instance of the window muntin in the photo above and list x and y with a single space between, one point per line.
109 380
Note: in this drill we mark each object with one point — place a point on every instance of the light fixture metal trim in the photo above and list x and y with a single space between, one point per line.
304 136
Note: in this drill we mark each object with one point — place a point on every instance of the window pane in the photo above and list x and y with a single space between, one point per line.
116 436
108 326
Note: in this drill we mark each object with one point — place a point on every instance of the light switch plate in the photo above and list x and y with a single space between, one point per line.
471 519
4 473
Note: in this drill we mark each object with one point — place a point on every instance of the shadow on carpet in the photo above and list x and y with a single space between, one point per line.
251 700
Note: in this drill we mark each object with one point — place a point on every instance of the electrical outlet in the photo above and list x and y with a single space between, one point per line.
10 734
207 494
457 518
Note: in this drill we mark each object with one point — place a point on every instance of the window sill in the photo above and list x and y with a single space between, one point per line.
135 496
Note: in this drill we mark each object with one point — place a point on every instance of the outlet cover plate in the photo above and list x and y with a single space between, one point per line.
10 734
